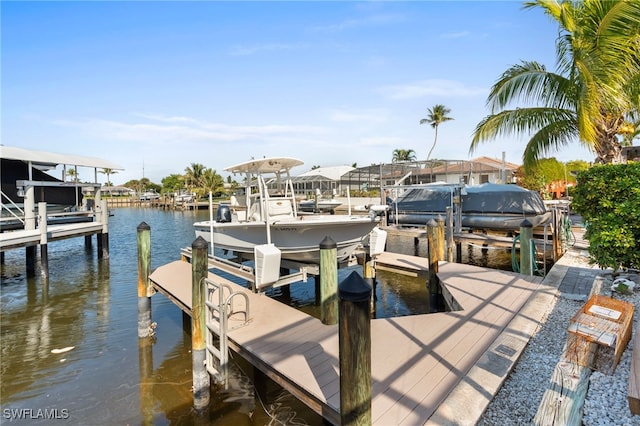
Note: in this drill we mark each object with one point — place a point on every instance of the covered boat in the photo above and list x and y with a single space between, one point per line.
486 206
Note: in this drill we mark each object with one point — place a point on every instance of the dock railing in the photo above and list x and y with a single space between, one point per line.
220 304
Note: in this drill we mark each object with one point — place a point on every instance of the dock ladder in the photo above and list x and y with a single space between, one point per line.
220 304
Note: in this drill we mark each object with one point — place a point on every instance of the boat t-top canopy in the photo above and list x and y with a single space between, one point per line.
277 165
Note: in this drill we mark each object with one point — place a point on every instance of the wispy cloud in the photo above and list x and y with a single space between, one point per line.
459 34
162 129
365 21
423 88
344 115
246 50
381 141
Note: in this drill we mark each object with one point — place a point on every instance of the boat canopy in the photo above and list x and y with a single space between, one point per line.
275 165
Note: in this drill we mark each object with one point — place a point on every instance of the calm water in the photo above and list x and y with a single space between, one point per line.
89 309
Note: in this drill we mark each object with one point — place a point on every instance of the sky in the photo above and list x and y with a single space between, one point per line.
158 86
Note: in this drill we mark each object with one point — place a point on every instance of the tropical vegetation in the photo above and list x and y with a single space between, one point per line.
593 97
400 155
608 198
197 179
549 170
436 116
108 172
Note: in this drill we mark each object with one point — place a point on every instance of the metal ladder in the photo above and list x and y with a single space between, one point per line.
220 297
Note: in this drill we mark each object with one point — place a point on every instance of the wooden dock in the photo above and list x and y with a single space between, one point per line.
30 237
442 368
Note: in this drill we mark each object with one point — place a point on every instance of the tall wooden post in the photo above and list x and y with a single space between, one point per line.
199 266
526 257
457 214
44 240
328 281
31 252
449 234
440 235
144 269
354 341
369 275
103 252
432 248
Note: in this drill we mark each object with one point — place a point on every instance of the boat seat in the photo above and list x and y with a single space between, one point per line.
279 209
239 216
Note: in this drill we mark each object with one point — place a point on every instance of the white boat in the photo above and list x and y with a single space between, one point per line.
267 214
320 205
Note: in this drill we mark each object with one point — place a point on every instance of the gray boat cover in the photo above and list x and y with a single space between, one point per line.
484 198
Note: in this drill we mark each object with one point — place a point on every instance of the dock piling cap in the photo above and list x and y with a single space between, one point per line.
526 224
143 227
199 243
354 288
328 243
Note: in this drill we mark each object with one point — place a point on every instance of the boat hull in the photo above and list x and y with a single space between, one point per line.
298 239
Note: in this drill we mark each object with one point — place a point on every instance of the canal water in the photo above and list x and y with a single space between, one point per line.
69 350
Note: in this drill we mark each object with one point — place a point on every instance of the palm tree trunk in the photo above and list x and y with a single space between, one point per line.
434 144
608 148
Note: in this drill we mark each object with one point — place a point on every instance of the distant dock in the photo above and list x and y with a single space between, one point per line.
32 231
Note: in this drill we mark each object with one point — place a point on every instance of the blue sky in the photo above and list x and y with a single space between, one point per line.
157 86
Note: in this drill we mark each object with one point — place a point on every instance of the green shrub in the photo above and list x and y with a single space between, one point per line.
608 198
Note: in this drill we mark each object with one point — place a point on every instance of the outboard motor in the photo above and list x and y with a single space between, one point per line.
223 213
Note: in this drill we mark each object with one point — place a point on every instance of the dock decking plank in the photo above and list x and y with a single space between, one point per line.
460 348
416 360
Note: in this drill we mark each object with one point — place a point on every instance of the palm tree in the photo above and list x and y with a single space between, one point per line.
403 155
437 115
108 172
595 90
211 181
193 175
73 174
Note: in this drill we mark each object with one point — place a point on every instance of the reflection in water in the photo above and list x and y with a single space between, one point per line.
108 375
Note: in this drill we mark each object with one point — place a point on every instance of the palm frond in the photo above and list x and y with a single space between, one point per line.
532 84
558 133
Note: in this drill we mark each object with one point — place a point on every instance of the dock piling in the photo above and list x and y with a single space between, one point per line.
440 234
103 249
526 255
449 234
354 342
329 281
144 269
201 381
433 244
44 250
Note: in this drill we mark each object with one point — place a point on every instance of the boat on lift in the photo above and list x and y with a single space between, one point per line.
267 215
488 206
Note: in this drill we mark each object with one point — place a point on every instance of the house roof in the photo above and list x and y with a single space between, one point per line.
45 158
332 173
476 165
